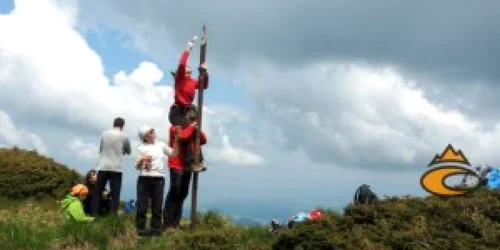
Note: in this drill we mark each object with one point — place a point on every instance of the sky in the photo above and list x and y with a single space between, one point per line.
306 102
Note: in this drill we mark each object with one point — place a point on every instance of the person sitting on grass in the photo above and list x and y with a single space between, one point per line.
72 204
104 204
90 180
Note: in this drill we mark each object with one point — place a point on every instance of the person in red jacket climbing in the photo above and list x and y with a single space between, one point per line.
187 147
185 88
180 173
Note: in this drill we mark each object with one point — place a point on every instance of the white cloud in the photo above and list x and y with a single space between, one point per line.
234 155
10 135
38 144
61 78
49 73
54 88
362 115
8 131
84 150
344 113
223 118
375 110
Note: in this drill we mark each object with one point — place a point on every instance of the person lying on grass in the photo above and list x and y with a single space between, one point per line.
73 206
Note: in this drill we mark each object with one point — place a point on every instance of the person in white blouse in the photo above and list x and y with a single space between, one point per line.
151 164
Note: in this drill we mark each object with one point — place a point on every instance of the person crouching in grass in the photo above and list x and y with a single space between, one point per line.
151 164
73 206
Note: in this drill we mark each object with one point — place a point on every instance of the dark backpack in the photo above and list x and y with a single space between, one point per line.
364 195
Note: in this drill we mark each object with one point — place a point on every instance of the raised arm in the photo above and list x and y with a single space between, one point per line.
181 69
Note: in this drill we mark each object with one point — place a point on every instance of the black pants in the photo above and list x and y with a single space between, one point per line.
177 193
149 189
104 205
115 185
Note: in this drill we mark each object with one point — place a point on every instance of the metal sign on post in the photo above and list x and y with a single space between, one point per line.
201 87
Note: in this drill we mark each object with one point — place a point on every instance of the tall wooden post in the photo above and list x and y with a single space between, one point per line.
201 87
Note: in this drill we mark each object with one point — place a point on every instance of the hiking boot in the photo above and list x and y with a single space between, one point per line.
197 167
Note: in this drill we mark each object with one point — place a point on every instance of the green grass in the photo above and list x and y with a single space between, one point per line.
470 222
40 225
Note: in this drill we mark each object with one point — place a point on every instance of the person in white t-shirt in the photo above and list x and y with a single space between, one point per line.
151 164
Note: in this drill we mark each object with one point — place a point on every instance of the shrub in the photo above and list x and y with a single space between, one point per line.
469 222
26 174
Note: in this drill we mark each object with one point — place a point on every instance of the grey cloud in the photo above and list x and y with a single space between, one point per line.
455 39
479 100
294 172
361 117
446 42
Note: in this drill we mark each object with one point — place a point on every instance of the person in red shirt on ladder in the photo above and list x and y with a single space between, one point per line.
180 177
185 89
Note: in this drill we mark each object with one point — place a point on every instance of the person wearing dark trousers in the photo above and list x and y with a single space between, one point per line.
104 205
114 144
151 181
177 194
115 184
187 142
180 174
90 180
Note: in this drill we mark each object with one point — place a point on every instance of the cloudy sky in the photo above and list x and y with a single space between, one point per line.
307 100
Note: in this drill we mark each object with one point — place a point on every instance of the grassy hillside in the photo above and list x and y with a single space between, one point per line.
32 220
40 225
471 222
31 186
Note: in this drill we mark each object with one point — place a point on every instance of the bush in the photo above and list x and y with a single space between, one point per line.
469 222
26 174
